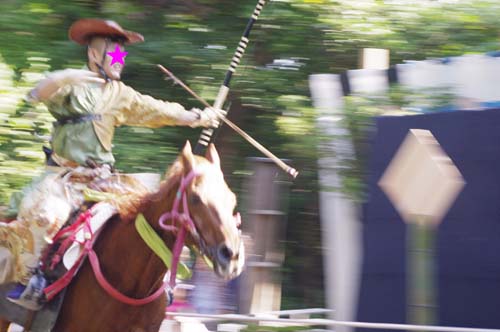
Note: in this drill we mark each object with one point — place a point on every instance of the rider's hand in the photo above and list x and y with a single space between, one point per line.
74 76
206 118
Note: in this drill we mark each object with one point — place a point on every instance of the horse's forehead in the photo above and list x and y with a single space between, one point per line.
210 173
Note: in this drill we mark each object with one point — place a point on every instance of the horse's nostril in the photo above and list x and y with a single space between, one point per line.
225 252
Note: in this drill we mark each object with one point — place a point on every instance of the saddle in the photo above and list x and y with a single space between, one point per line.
103 199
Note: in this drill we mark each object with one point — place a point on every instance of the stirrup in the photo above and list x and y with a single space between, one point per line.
31 296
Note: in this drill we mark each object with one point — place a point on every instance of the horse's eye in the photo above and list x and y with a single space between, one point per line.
195 199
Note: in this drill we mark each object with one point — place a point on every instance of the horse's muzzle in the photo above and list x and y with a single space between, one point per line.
228 263
224 254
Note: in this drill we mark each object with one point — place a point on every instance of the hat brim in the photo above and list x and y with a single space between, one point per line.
82 30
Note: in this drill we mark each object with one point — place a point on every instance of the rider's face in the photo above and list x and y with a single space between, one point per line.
114 70
100 47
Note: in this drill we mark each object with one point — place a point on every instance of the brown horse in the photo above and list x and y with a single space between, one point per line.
131 266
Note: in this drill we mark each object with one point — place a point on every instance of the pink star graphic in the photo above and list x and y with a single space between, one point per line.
118 56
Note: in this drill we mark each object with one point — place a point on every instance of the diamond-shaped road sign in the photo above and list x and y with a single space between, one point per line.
421 181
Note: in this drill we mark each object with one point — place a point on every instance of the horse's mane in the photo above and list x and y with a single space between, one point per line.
169 185
171 182
139 199
143 200
132 197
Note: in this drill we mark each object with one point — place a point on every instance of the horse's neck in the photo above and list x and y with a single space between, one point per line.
130 264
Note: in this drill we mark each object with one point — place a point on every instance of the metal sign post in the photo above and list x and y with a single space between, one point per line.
421 287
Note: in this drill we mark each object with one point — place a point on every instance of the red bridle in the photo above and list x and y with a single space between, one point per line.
186 222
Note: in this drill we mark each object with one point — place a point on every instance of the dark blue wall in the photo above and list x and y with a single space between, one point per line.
468 240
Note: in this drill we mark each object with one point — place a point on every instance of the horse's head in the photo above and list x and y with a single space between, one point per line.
212 208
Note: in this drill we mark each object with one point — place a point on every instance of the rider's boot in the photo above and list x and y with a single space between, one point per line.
30 296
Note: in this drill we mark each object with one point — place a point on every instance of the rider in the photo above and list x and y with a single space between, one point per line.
87 104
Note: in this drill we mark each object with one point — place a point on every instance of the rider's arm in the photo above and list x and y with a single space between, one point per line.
43 91
59 80
146 111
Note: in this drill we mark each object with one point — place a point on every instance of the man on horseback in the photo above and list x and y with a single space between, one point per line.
87 104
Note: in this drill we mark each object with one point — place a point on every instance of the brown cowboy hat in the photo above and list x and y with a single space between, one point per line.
82 30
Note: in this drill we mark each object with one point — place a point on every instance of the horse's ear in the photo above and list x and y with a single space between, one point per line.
212 155
187 157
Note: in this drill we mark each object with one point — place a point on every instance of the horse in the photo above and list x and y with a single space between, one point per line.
132 267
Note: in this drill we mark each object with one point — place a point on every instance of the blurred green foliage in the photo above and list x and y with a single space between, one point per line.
269 93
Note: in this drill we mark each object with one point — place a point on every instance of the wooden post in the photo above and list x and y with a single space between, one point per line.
266 204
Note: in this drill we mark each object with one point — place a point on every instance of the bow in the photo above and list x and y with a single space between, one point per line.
206 134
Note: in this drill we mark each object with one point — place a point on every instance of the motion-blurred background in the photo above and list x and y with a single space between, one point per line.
270 93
